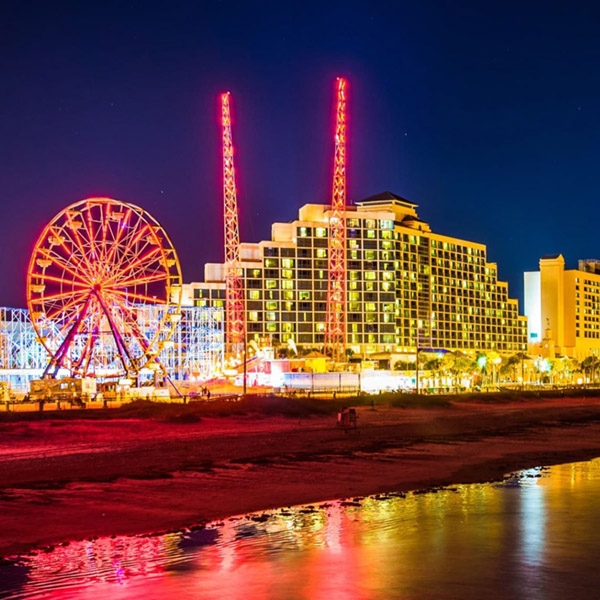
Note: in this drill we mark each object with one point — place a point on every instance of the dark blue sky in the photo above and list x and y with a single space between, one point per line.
485 113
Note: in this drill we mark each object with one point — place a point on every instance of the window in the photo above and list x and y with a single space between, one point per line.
386 224
254 294
270 284
320 232
303 232
252 316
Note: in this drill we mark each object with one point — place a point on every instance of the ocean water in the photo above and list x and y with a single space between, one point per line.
535 535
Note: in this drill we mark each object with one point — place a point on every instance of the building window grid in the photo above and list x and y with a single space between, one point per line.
455 267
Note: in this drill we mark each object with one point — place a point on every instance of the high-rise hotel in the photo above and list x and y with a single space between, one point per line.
563 308
407 287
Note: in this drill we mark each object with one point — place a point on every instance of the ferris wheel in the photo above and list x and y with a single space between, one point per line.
103 289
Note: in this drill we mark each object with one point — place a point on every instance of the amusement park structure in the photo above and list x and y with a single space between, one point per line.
104 289
235 321
335 328
95 271
194 352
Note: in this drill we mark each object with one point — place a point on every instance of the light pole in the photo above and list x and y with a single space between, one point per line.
245 360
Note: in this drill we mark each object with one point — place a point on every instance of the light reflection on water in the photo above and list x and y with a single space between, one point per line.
533 536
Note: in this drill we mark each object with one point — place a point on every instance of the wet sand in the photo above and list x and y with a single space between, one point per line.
66 479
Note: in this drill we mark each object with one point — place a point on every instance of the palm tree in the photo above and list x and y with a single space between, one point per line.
573 366
589 365
457 364
509 366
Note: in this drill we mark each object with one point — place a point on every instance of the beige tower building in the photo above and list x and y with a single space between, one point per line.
407 287
563 307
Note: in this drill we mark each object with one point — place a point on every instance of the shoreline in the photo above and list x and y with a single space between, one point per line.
143 476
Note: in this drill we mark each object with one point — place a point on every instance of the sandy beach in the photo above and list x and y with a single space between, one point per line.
76 477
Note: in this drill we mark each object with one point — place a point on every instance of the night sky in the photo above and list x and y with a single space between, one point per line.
484 113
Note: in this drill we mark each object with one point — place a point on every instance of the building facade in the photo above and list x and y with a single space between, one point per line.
407 287
563 308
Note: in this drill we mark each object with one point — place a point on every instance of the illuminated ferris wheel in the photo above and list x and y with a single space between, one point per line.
103 289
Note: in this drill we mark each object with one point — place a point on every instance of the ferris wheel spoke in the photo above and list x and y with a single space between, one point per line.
105 228
140 261
75 238
91 237
69 251
134 296
62 265
144 343
120 229
63 308
121 346
131 255
65 326
138 281
60 354
55 279
128 244
88 347
57 296
148 267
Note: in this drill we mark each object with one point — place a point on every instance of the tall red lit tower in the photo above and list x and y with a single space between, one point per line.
235 322
335 331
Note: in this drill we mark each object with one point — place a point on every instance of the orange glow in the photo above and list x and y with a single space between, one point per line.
335 332
235 314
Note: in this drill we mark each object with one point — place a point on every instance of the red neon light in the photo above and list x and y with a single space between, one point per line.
335 331
235 322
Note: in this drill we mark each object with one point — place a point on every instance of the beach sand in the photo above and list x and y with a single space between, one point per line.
73 477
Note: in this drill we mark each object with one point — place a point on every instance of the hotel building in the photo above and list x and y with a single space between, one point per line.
563 308
407 287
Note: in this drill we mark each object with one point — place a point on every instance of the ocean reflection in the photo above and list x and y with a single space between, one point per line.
531 536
